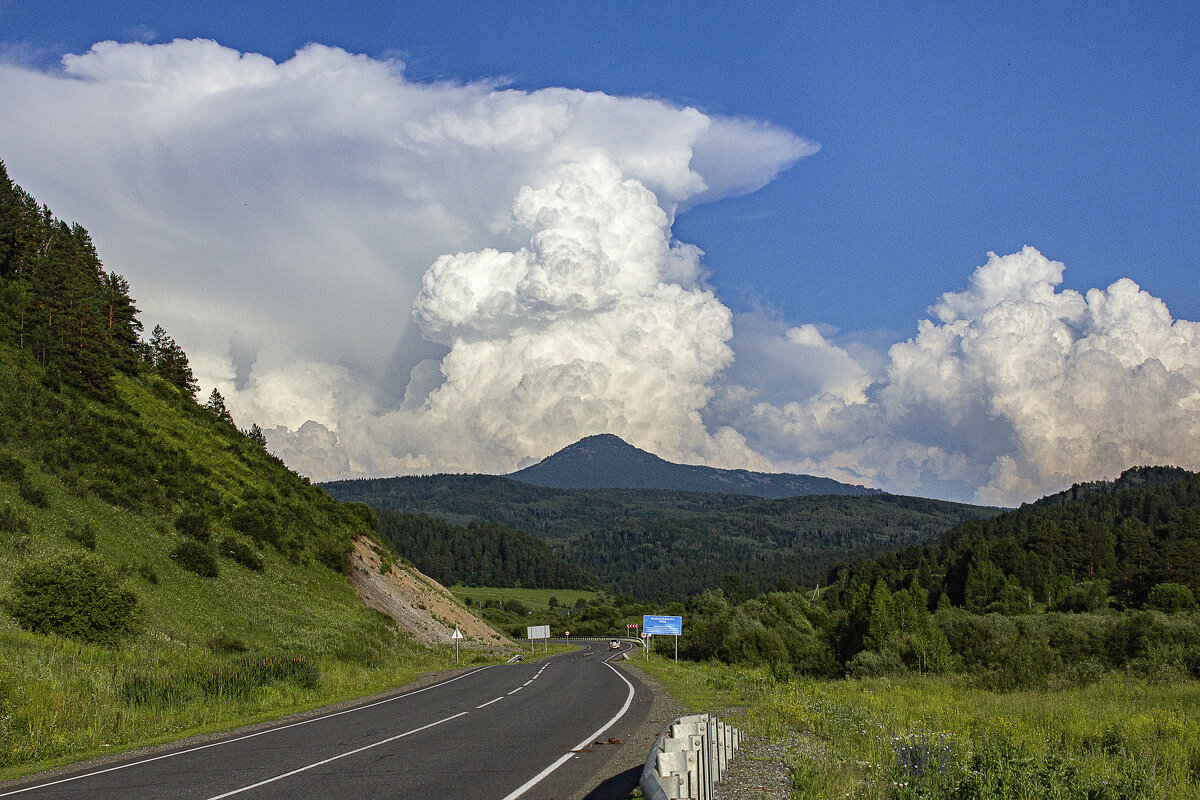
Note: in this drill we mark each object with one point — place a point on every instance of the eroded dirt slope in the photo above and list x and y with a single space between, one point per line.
421 605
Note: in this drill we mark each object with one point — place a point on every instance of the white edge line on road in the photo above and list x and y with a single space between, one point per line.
489 702
536 779
238 738
316 764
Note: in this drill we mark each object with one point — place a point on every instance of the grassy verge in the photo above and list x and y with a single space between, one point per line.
65 701
928 737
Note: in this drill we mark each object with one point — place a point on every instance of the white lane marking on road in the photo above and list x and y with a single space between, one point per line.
536 779
489 702
514 691
322 762
239 738
526 683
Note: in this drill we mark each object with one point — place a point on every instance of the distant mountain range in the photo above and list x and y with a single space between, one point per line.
608 462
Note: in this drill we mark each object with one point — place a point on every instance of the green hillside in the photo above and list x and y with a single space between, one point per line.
769 544
487 554
652 542
1080 549
160 572
550 514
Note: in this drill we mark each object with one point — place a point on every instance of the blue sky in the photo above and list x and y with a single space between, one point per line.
947 129
945 132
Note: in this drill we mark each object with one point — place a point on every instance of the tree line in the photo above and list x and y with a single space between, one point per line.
479 554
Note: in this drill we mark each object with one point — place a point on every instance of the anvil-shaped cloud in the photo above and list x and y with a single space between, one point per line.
395 276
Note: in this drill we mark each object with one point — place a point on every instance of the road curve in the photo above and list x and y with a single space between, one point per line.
493 733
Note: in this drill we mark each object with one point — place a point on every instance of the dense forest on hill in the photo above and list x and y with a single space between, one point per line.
1080 549
650 542
479 554
770 544
550 514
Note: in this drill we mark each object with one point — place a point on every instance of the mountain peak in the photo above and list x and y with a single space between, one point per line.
606 461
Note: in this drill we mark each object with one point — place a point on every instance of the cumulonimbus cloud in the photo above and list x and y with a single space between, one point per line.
1013 389
394 276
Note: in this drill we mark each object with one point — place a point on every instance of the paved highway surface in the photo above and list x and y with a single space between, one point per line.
498 732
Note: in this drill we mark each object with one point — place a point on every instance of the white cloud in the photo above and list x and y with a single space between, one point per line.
280 220
285 221
1018 390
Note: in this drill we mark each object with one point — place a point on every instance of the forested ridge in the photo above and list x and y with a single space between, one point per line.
478 554
1093 544
548 513
653 542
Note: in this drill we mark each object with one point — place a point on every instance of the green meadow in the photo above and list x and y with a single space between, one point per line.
1117 737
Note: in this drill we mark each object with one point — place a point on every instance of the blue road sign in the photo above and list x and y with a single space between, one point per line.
667 626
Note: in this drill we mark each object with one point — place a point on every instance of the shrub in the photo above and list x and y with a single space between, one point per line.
32 493
241 552
1171 598
196 557
257 519
870 664
84 534
335 554
193 524
11 468
75 597
1086 596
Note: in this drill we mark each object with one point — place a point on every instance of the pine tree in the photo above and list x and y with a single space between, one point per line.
216 404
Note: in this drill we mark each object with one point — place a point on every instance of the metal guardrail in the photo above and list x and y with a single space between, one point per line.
689 758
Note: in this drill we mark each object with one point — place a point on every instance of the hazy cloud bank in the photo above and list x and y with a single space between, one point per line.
394 276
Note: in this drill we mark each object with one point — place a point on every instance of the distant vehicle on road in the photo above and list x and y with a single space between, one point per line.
614 645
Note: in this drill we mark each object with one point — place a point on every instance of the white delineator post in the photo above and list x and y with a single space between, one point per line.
456 636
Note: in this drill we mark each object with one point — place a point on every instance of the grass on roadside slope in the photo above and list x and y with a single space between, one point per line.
929 737
206 659
84 482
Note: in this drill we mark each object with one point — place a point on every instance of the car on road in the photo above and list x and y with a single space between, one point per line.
614 645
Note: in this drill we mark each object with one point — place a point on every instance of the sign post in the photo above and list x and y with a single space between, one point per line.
671 626
535 632
457 637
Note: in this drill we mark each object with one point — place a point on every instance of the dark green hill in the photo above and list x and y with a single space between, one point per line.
487 554
649 542
608 462
550 514
770 544
1075 550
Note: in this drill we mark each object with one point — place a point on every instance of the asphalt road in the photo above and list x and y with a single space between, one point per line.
499 732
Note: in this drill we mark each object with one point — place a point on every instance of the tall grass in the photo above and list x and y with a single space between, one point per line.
925 737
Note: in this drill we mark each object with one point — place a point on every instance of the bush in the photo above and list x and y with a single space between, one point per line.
1171 598
84 534
193 524
1086 596
11 468
869 664
241 552
75 597
33 493
196 557
15 530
